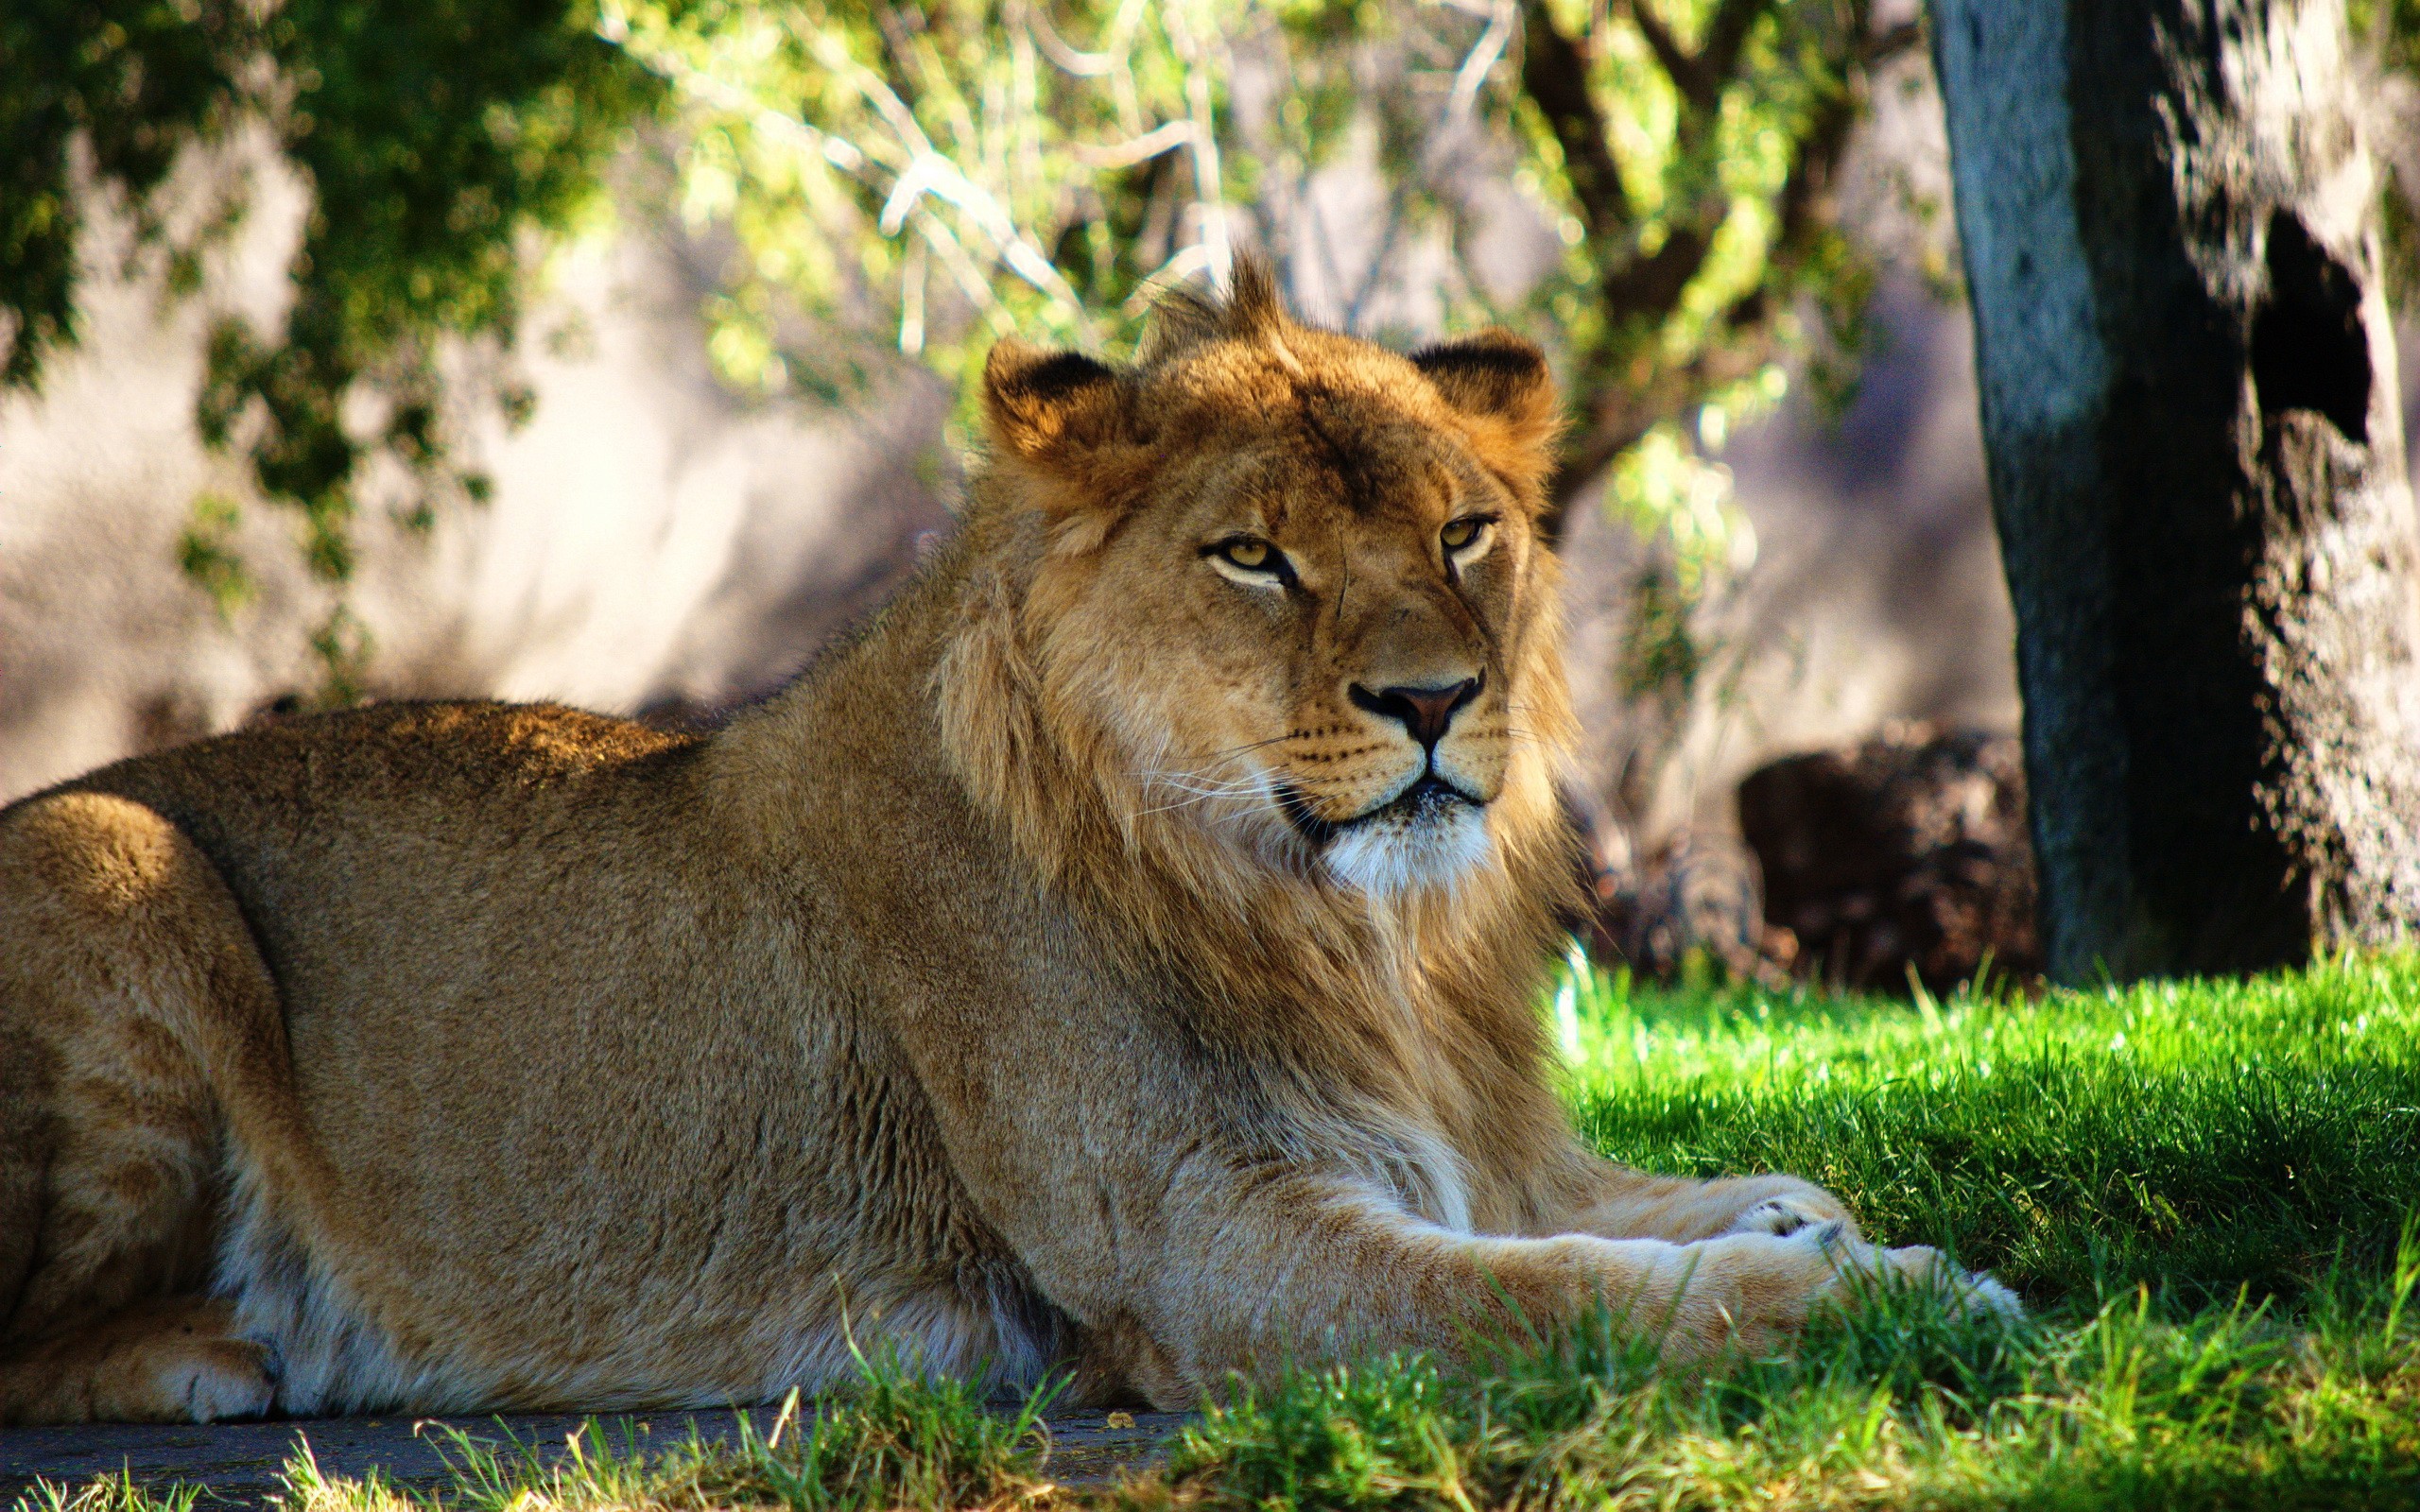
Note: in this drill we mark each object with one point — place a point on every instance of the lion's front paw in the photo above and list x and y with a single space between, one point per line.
1984 1295
1976 1292
1778 1216
1755 1291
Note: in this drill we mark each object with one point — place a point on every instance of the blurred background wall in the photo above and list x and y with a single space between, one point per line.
653 539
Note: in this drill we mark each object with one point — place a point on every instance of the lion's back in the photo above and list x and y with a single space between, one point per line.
442 752
390 789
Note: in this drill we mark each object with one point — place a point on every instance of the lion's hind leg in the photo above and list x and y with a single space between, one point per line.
163 1361
126 972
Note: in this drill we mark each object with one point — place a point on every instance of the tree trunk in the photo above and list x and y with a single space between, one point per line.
2192 418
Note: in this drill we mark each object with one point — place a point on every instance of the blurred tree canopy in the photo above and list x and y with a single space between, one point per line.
925 177
941 174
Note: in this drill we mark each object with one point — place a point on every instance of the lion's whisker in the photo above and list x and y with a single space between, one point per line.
1210 789
1234 750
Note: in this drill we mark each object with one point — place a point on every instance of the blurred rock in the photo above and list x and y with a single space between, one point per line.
1905 853
1699 894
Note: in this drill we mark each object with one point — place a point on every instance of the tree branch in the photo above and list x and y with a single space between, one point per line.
1678 66
1718 54
1884 45
1555 76
1624 407
1699 75
1803 208
1651 286
1622 414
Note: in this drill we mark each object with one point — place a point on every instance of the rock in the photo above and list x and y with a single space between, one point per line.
1907 853
1701 893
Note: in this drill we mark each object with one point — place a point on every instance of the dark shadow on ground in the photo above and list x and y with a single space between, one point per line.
241 1463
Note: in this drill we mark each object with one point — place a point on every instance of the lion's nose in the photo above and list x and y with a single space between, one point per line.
1425 712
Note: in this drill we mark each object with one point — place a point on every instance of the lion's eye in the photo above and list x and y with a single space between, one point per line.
1251 561
1461 535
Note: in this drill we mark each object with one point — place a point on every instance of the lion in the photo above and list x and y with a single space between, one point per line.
1118 958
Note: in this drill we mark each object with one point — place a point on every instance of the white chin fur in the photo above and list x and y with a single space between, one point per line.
1397 853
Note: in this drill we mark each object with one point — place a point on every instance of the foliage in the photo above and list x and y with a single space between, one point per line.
930 177
945 174
137 84
438 139
2387 32
435 135
955 171
941 174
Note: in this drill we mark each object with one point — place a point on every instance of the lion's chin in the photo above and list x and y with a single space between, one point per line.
1433 842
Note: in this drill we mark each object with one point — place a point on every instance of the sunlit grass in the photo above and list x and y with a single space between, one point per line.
110 1493
1902 1407
897 1441
2204 1191
2192 1137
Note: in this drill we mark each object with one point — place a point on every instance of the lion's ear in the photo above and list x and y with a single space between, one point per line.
1051 409
1066 423
1496 377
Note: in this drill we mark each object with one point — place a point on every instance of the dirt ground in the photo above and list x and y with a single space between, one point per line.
241 1463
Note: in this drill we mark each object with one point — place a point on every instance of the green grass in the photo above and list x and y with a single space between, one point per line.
2204 1191
2193 1137
895 1441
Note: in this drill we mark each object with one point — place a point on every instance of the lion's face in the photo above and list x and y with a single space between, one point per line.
1296 584
1318 649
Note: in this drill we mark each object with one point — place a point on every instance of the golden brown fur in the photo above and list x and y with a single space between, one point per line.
1087 965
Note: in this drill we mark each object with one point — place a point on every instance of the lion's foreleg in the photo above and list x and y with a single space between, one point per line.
1290 1275
1602 1199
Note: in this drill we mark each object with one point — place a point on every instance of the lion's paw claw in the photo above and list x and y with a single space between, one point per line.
1982 1295
1780 1217
216 1381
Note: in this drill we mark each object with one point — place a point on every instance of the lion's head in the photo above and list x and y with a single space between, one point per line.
1290 585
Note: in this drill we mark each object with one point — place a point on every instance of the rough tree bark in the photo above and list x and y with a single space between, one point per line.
2192 418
